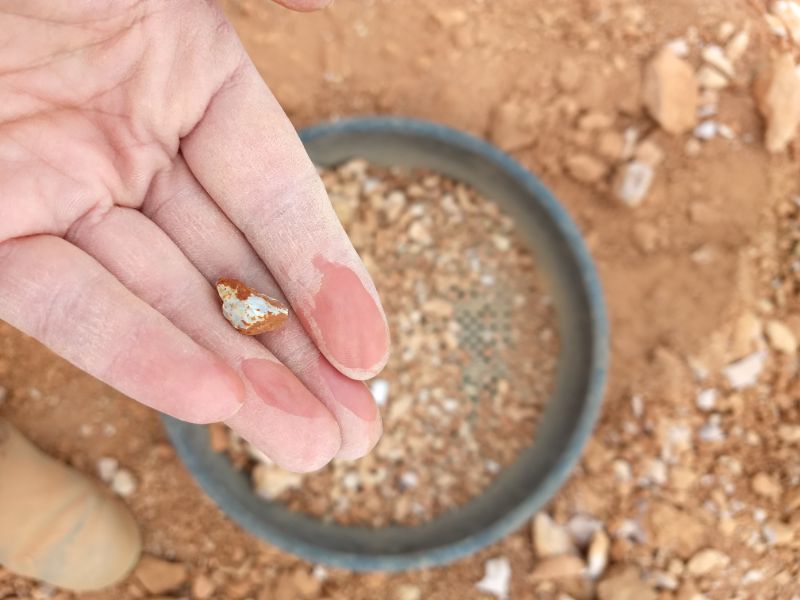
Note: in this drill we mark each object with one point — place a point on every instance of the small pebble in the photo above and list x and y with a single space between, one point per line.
106 468
497 578
744 373
707 560
550 538
706 399
123 483
632 183
380 391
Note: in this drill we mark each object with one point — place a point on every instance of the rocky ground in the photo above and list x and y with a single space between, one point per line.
668 130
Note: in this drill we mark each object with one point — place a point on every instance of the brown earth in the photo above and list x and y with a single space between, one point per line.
693 276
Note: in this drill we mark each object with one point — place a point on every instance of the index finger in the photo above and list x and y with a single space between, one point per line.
247 155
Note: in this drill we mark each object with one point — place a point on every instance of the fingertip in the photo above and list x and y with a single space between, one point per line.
347 321
359 446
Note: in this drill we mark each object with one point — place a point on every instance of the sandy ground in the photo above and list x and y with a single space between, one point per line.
694 276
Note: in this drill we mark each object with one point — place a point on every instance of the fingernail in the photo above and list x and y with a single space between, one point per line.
351 394
351 325
278 387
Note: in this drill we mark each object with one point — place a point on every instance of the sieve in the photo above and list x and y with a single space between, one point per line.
567 419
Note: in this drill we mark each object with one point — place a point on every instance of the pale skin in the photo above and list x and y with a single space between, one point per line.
142 157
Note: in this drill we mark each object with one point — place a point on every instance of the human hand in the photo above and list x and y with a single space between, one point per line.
142 157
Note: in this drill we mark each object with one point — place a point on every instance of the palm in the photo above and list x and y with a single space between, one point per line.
140 157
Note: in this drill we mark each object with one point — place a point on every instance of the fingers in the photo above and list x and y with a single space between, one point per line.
58 294
181 207
303 5
280 416
246 154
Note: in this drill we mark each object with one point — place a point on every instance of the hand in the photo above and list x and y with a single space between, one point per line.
142 157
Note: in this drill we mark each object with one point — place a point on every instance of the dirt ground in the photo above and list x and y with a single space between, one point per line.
699 493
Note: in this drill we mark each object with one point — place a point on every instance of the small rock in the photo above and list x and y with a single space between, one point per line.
649 153
737 45
438 308
305 583
725 31
586 168
707 560
788 12
512 126
549 538
692 147
394 204
789 433
450 17
707 130
655 472
665 581
270 482
675 529
569 76
625 585
420 233
767 486
709 78
781 337
497 577
380 391
745 372
706 399
777 92
632 182
203 587
610 145
3 394
669 92
582 528
679 47
218 437
558 567
778 534
106 468
407 592
715 56
593 120
646 237
159 576
345 206
598 554
123 483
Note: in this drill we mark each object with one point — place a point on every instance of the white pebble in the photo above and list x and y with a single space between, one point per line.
706 399
123 483
492 466
351 481
744 372
582 527
706 130
409 480
450 404
633 182
715 56
679 47
711 432
380 391
496 578
107 467
637 405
